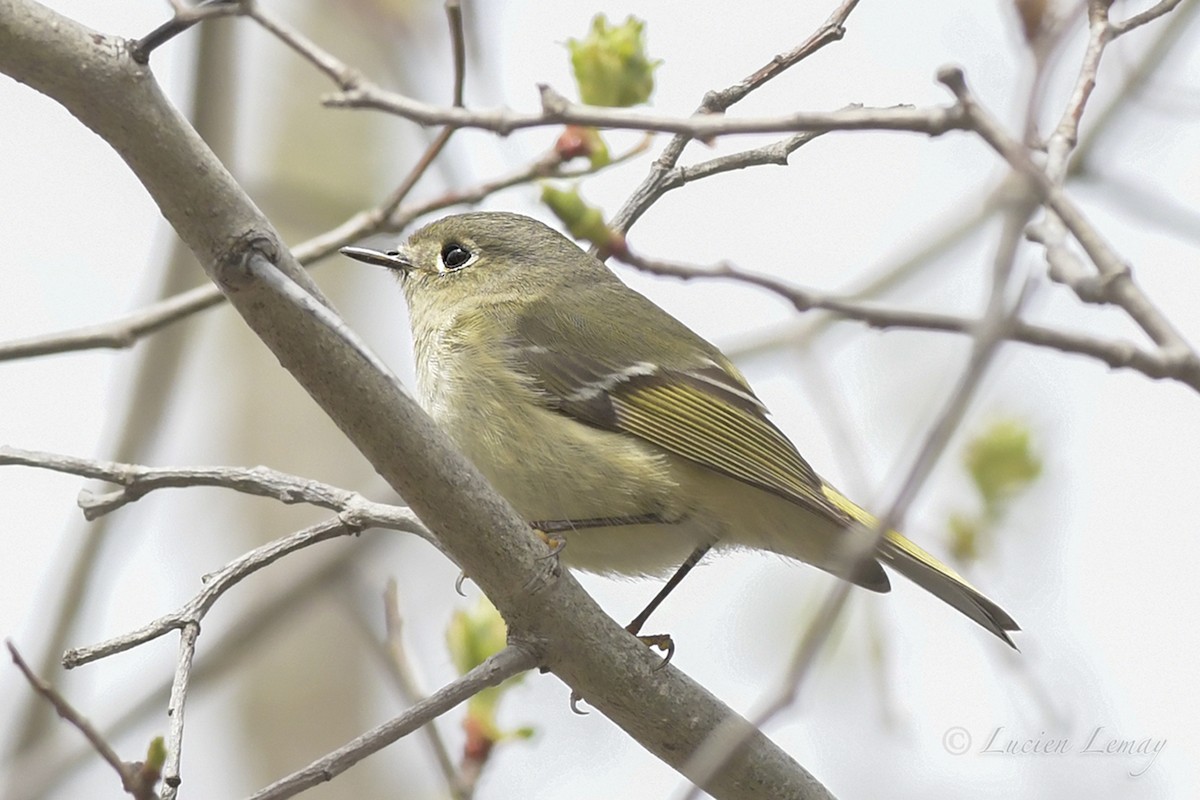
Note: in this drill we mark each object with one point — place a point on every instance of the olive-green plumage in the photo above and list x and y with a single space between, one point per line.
580 399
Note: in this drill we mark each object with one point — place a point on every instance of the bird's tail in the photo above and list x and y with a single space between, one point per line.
932 575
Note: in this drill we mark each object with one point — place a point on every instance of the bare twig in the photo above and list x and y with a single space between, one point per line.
557 110
1118 354
216 585
137 779
830 31
1138 20
648 191
337 71
1064 266
177 704
39 771
1135 80
406 681
774 153
185 17
354 515
119 333
127 330
136 481
495 670
1115 283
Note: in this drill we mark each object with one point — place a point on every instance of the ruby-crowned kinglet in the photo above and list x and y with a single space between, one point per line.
583 402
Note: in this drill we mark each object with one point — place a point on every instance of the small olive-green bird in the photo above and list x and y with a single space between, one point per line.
587 405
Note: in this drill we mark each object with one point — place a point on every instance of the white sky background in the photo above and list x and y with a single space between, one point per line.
1097 563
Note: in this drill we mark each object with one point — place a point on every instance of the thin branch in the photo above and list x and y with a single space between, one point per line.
498 668
402 671
119 333
1138 20
216 584
177 704
388 216
1066 134
1064 266
1116 279
1135 80
1116 353
38 772
647 192
137 779
337 71
136 481
830 31
354 515
558 110
458 46
775 153
185 17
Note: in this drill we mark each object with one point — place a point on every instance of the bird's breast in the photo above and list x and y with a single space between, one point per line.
552 467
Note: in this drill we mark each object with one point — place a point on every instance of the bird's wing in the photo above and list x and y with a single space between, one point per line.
677 392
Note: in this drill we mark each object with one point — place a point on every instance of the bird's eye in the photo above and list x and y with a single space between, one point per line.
455 256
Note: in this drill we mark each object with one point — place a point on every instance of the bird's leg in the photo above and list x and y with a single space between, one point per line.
663 641
551 532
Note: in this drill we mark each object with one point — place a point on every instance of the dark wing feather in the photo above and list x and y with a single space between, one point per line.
702 410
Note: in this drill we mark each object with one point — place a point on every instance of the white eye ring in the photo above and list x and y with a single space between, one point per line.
451 259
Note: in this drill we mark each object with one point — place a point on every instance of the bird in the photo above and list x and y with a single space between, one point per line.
605 421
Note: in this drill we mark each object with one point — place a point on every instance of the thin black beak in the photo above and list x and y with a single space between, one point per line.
392 259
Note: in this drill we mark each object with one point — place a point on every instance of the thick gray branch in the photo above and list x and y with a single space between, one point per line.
93 76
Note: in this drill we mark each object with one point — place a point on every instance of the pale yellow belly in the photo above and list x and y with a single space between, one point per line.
571 471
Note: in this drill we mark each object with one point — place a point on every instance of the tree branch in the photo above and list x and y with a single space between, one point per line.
510 661
400 665
137 779
39 772
648 191
547 612
215 585
136 481
557 110
1138 20
1117 354
1116 279
390 216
